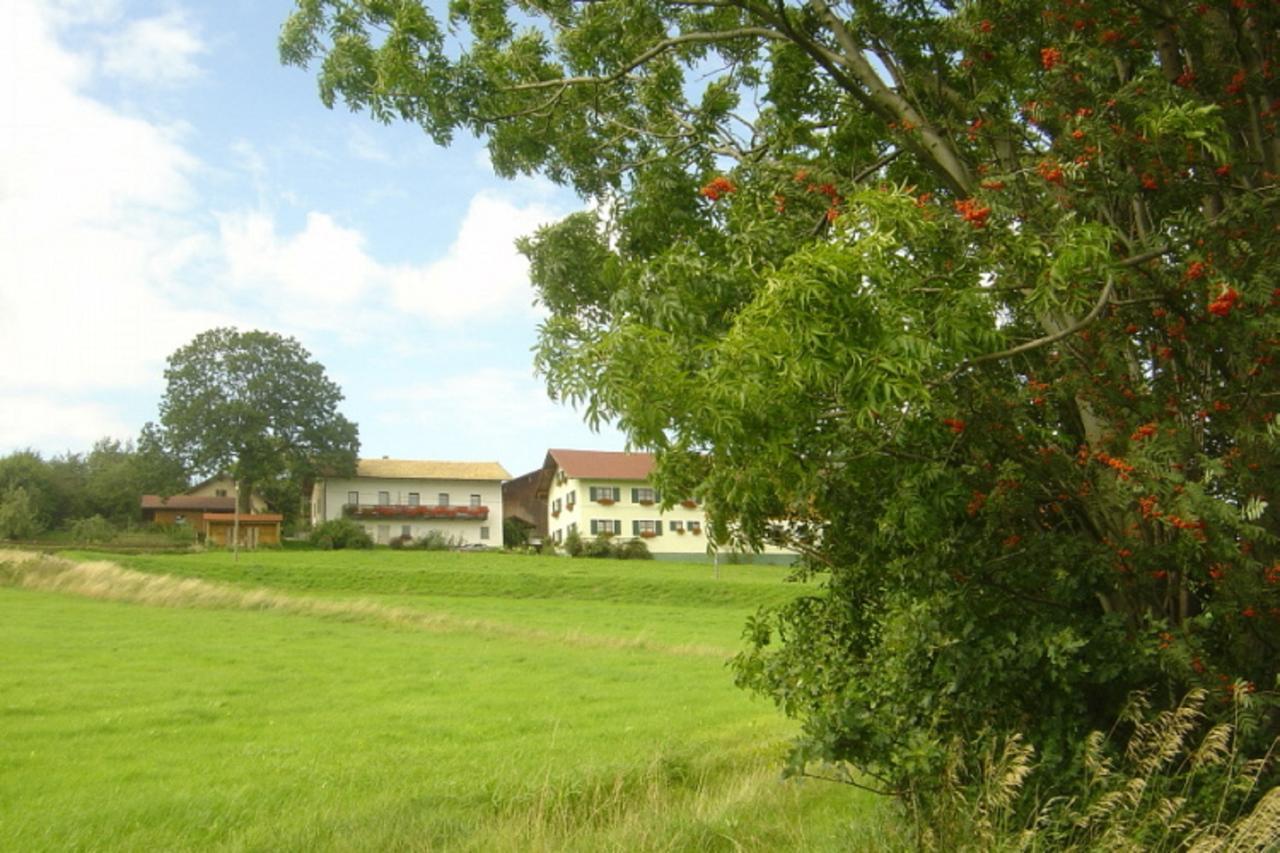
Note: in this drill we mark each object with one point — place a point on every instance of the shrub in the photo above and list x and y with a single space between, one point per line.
92 529
400 542
340 533
515 532
434 540
598 547
573 545
634 550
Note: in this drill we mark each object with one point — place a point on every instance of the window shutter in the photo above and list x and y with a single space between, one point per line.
635 528
617 493
657 525
595 527
635 496
657 496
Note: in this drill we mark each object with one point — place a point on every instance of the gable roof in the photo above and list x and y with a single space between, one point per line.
601 464
427 469
200 502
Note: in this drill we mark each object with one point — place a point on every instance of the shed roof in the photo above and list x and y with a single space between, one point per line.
427 469
602 464
199 502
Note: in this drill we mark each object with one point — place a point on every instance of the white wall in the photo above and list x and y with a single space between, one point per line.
330 496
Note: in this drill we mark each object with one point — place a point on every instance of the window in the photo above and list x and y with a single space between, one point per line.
643 496
695 527
572 528
442 499
406 532
677 527
353 498
384 499
605 526
555 507
606 493
557 537
484 533
475 500
646 529
571 499
414 498
219 493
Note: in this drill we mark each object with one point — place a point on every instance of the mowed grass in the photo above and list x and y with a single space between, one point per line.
306 700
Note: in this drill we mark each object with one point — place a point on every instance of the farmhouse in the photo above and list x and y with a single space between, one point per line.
608 493
214 495
406 497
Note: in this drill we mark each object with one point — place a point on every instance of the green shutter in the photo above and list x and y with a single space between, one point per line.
594 527
657 525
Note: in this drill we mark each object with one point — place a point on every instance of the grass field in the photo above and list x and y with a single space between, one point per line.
390 701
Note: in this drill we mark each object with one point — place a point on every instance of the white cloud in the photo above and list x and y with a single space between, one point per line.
91 227
324 277
362 145
54 424
156 51
482 274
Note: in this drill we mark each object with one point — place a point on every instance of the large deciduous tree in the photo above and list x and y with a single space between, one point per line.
978 297
253 404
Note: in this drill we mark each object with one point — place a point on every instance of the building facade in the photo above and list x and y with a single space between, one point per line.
395 498
605 493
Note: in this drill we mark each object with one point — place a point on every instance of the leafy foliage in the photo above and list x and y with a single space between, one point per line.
340 533
256 405
18 519
971 303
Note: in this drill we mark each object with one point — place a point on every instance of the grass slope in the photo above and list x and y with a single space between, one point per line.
260 706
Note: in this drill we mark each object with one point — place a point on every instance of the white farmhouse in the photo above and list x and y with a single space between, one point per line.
405 497
605 493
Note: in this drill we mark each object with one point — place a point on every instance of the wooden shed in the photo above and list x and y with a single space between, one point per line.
255 529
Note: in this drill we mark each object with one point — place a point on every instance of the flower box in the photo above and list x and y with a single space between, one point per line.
680 531
605 501
696 532
647 534
645 503
570 505
689 504
555 513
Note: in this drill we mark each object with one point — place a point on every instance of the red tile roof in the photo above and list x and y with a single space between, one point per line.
602 464
199 502
246 518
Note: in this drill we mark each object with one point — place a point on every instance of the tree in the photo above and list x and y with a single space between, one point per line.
976 297
18 518
253 404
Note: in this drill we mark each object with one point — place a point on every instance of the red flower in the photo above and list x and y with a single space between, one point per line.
1050 172
985 26
1195 270
1149 182
718 187
1226 300
1223 170
957 426
1144 431
1049 57
972 212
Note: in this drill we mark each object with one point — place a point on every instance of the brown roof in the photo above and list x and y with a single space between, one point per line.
200 502
246 518
602 464
426 469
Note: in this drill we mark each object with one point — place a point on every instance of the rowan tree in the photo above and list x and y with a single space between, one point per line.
977 298
255 405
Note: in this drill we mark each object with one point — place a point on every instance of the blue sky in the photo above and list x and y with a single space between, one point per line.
161 173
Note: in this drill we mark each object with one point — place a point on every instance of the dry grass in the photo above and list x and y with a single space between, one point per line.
107 581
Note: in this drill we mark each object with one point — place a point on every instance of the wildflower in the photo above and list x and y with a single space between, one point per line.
1049 57
956 425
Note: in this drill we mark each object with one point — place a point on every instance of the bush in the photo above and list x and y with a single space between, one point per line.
515 532
633 550
92 529
573 544
401 541
340 533
599 547
434 540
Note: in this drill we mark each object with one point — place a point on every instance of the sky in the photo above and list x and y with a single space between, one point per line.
161 173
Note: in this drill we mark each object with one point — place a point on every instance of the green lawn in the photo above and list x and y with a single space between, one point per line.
383 700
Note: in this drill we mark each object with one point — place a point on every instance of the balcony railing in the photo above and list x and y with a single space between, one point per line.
465 513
